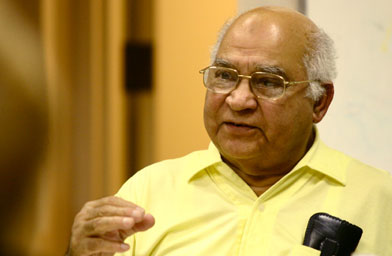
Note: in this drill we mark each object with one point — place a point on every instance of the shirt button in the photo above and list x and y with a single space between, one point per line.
261 207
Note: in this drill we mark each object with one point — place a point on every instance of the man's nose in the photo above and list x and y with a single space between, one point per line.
242 97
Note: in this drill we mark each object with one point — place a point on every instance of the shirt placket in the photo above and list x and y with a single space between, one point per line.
257 215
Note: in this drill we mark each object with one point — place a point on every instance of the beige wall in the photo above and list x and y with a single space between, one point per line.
184 32
244 5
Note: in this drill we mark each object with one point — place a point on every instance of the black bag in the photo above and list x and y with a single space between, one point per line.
331 235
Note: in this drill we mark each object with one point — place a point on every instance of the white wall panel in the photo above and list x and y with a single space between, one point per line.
359 121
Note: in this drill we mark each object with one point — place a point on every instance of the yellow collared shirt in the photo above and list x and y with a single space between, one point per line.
202 207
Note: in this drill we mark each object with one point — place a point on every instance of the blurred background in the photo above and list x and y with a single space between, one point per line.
90 92
93 90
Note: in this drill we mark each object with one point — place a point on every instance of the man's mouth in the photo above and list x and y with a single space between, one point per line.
239 124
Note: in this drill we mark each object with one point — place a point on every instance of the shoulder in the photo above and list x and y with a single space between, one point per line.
355 170
181 166
361 169
368 177
166 174
359 177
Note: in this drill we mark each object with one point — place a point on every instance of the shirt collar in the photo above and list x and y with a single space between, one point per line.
324 160
204 159
319 158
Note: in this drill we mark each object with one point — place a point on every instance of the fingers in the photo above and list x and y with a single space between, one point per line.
147 223
111 200
108 210
102 225
97 245
97 218
108 206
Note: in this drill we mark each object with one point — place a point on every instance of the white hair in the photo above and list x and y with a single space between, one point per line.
319 59
221 35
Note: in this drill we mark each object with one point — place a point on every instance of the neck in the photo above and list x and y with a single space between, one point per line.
259 183
261 178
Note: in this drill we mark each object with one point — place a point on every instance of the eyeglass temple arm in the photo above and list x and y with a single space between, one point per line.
298 82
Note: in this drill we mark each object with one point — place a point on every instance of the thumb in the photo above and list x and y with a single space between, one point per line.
146 224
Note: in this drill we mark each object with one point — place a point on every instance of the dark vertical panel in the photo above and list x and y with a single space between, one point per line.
138 64
302 6
138 83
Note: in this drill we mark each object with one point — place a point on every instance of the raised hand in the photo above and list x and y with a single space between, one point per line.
101 226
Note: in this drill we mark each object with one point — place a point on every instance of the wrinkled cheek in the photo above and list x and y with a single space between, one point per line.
212 106
210 122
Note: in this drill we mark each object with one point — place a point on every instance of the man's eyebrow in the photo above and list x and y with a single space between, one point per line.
272 69
223 63
261 68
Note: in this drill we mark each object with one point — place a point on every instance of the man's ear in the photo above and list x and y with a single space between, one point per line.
321 106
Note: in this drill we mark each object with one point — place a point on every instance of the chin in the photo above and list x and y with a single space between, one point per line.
238 150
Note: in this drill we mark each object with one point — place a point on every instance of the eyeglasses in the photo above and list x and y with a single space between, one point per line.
264 85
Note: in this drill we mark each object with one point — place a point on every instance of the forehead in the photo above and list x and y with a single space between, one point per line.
264 41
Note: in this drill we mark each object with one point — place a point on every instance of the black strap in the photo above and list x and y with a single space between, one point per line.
329 247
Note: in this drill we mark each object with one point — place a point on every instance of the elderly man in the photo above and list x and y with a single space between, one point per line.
266 171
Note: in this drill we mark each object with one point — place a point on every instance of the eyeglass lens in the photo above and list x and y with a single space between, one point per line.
224 80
